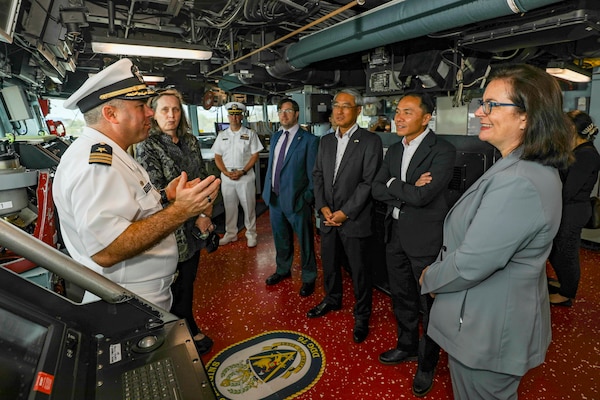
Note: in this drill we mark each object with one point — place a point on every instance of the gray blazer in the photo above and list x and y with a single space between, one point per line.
491 309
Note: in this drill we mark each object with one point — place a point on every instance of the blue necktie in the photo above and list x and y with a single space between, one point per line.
279 165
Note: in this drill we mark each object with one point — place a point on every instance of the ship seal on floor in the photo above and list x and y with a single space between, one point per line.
272 365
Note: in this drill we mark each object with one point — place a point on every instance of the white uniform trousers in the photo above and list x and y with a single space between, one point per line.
242 191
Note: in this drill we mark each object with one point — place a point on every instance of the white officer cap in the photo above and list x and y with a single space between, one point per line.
235 108
120 80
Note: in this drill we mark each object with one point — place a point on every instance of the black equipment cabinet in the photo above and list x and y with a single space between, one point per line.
40 152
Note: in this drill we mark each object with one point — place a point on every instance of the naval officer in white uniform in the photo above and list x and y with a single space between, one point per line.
111 217
236 151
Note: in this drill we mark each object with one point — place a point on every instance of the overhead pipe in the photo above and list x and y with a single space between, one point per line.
308 76
129 18
289 35
193 27
294 5
138 25
394 22
111 18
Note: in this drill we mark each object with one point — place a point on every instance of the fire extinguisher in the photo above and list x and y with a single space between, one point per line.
60 128
56 128
51 126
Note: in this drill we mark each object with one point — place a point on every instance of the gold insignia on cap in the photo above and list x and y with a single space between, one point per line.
234 110
101 153
139 93
126 91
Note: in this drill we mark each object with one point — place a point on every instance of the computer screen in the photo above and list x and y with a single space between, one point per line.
221 126
21 347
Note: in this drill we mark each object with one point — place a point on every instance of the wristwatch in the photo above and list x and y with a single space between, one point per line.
163 197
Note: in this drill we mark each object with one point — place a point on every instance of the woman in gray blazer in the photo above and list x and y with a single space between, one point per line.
491 311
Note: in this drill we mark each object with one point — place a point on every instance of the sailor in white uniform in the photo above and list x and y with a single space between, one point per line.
236 151
111 217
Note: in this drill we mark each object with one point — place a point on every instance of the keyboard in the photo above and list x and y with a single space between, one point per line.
154 381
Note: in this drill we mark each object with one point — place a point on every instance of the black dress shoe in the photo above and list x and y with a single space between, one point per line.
553 289
276 278
322 309
361 331
307 289
553 286
396 356
423 382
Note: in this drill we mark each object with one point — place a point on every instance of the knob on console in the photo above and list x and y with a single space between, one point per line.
148 343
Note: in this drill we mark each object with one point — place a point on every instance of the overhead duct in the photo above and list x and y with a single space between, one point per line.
240 82
395 22
568 21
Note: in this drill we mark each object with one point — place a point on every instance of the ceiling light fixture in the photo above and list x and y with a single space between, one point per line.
569 72
139 48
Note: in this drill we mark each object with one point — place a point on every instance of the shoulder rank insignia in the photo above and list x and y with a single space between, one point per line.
101 153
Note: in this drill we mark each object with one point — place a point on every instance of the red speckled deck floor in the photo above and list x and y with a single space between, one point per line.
233 303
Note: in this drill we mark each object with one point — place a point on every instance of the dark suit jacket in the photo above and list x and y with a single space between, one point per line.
351 191
424 208
296 183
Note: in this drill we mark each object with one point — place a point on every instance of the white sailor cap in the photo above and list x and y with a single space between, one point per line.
120 80
235 108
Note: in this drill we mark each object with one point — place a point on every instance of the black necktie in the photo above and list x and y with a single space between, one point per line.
279 165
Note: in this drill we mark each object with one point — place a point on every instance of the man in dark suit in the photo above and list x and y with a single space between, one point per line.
288 192
347 162
412 182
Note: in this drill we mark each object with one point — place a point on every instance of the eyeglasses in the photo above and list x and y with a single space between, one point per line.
286 111
344 107
487 106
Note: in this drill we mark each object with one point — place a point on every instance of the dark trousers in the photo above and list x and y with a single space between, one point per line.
404 272
283 227
564 258
337 249
183 291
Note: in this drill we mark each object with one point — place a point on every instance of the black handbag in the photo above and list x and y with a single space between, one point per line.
594 221
210 242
